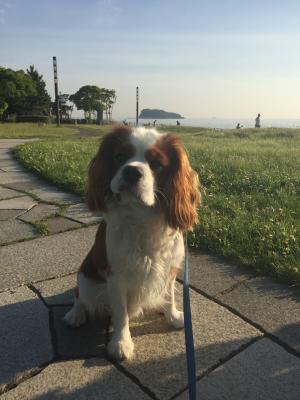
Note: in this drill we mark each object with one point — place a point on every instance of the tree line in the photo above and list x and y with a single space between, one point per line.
24 97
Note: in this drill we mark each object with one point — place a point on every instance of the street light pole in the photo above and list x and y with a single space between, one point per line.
56 91
137 107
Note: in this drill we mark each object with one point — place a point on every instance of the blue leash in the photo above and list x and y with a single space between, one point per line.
188 329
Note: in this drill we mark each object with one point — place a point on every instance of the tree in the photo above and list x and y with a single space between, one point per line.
109 98
65 109
93 101
15 88
41 102
3 107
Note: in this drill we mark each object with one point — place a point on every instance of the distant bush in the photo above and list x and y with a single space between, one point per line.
83 121
33 118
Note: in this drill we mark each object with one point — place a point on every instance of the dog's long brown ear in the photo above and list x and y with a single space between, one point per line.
95 265
98 184
181 188
102 169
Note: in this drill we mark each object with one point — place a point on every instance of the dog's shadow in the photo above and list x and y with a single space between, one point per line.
91 338
162 351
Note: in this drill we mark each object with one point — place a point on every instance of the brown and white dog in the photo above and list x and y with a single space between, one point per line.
142 183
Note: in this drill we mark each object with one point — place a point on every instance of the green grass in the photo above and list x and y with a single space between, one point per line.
250 183
30 130
41 227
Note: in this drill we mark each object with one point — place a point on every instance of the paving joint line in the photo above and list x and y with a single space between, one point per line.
37 281
37 293
12 198
133 378
267 334
233 287
23 378
53 335
221 362
39 236
73 220
24 192
55 277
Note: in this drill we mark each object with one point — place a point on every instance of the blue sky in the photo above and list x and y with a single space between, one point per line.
223 58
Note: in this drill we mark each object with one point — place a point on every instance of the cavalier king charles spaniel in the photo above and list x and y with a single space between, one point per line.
142 183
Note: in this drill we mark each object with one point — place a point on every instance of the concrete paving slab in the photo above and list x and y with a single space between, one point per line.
9 143
60 224
91 379
30 184
8 193
44 258
24 333
9 177
211 275
85 341
81 213
5 156
19 203
10 164
6 160
263 371
58 291
6 215
39 212
12 168
13 230
275 307
53 195
159 361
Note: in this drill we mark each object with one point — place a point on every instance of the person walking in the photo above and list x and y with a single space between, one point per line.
257 121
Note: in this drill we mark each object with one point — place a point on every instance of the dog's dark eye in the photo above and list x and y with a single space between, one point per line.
155 165
120 158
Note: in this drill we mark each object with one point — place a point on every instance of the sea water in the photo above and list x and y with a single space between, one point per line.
221 123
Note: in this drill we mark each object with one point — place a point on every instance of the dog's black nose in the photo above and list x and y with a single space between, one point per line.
131 174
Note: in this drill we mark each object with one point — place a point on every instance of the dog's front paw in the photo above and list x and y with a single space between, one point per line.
76 316
176 319
120 349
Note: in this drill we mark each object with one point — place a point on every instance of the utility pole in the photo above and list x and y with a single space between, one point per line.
137 107
56 91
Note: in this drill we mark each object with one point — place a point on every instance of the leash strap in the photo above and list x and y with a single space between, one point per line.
188 329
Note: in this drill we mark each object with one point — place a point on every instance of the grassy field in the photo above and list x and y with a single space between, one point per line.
250 183
30 130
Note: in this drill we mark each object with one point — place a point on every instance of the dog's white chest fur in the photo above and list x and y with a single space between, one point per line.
141 251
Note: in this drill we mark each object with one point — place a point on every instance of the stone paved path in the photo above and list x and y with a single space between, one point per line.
246 328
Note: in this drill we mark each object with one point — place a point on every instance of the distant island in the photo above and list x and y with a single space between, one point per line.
148 113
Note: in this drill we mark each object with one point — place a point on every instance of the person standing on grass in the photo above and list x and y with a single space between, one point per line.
257 121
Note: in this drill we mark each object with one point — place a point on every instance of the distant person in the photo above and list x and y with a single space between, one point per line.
177 123
239 126
154 122
257 121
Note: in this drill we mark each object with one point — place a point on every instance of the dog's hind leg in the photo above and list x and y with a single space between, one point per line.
173 316
90 301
